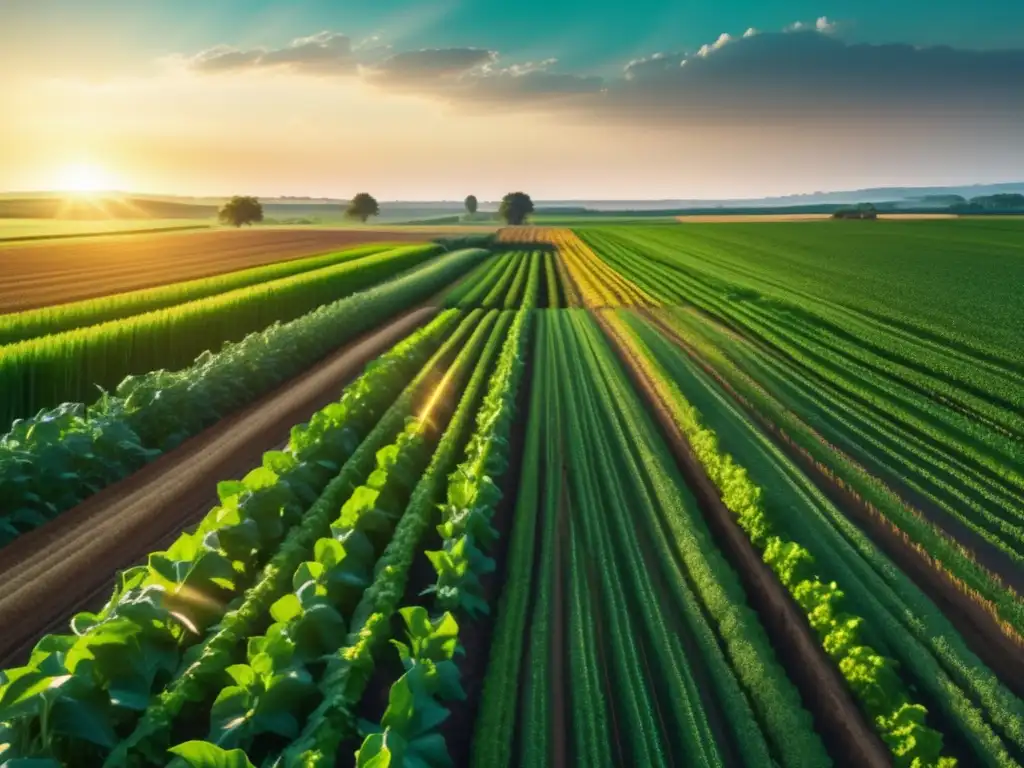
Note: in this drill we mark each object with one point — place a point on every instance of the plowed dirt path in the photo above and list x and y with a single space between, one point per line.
56 569
42 274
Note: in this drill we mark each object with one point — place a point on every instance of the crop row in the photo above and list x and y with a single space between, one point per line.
928 452
944 290
351 667
599 285
343 436
44 372
168 618
640 648
507 281
53 461
50 320
888 640
899 413
409 729
945 553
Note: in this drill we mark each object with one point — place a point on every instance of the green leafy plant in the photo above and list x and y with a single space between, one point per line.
407 733
201 754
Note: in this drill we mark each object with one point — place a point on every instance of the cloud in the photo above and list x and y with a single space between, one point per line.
430 64
325 53
475 75
803 72
651 67
823 25
706 50
516 86
785 76
223 58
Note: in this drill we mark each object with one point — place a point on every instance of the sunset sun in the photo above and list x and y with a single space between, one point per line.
83 177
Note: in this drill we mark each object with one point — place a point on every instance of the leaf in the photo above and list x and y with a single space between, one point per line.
202 754
286 608
287 692
260 478
309 572
23 691
231 715
431 749
87 720
242 674
278 462
228 490
280 723
329 552
399 713
379 750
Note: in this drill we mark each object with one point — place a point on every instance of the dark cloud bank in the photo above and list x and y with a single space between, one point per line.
805 72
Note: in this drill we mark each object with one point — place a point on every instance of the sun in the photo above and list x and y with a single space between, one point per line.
83 177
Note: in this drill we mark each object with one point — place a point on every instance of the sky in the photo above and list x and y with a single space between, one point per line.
437 99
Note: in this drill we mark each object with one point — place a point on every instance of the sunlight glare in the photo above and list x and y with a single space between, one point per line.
83 177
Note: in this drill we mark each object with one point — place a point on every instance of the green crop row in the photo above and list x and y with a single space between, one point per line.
269 693
654 623
55 460
349 670
807 539
945 552
509 281
206 668
44 372
872 677
907 418
50 320
80 691
408 730
553 286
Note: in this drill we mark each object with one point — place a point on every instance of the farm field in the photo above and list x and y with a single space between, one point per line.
45 273
636 493
33 229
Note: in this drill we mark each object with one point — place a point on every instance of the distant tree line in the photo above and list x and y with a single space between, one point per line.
244 210
1002 203
859 211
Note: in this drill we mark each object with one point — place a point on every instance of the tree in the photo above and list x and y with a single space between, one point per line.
515 207
471 204
241 209
362 207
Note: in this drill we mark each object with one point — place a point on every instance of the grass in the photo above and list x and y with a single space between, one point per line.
42 229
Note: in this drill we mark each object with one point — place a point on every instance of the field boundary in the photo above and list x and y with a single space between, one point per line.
110 233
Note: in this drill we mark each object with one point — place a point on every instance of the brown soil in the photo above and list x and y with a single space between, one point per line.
850 739
42 274
57 568
994 642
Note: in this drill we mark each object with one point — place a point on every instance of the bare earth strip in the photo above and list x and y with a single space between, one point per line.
737 218
42 274
55 569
